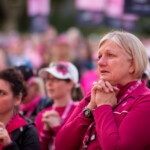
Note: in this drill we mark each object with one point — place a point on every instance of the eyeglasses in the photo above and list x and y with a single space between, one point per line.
52 79
61 67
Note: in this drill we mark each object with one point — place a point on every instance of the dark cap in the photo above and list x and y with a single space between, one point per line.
25 71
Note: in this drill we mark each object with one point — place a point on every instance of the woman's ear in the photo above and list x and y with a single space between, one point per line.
18 99
132 67
71 85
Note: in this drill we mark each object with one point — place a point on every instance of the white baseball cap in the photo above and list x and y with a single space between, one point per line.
61 70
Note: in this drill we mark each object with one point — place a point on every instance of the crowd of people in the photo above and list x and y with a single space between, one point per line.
65 87
38 50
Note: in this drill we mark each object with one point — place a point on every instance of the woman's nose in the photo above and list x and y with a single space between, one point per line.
102 61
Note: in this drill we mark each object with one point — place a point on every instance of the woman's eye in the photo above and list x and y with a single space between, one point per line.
2 92
110 55
99 57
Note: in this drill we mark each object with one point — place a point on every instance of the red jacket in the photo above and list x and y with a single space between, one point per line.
126 127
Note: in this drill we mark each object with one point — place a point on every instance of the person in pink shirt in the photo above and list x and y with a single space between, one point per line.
116 114
61 80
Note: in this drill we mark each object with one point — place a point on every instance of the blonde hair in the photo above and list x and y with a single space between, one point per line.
132 46
62 52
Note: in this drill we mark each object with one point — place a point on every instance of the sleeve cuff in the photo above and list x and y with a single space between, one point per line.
11 146
45 134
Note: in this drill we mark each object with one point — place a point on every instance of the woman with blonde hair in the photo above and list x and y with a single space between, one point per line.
116 114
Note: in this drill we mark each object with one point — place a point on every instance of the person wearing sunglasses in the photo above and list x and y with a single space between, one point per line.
61 81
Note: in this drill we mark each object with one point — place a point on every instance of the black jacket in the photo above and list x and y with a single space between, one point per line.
24 138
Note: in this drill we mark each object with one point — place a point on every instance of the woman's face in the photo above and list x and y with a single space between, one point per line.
7 99
113 64
32 91
57 88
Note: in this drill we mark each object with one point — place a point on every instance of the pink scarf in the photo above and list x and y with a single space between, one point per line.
30 107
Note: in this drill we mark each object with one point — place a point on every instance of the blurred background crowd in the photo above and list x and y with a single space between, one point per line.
37 32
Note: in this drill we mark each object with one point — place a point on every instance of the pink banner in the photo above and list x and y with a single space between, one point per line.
115 8
41 7
91 5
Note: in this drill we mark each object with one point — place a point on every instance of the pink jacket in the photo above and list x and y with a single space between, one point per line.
126 127
46 137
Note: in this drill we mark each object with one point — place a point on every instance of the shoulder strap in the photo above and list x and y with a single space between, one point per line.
28 121
17 134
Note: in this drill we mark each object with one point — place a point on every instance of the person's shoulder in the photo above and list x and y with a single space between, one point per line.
142 94
26 135
28 127
143 90
85 100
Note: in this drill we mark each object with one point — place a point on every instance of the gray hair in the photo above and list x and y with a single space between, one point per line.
132 46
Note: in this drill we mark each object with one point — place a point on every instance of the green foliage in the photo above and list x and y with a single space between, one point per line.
143 26
62 23
63 19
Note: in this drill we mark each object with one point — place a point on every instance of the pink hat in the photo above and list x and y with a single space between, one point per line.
61 70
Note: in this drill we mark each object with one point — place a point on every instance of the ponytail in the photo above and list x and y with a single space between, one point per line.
77 93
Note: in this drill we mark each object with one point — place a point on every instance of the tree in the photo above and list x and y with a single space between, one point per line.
12 10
